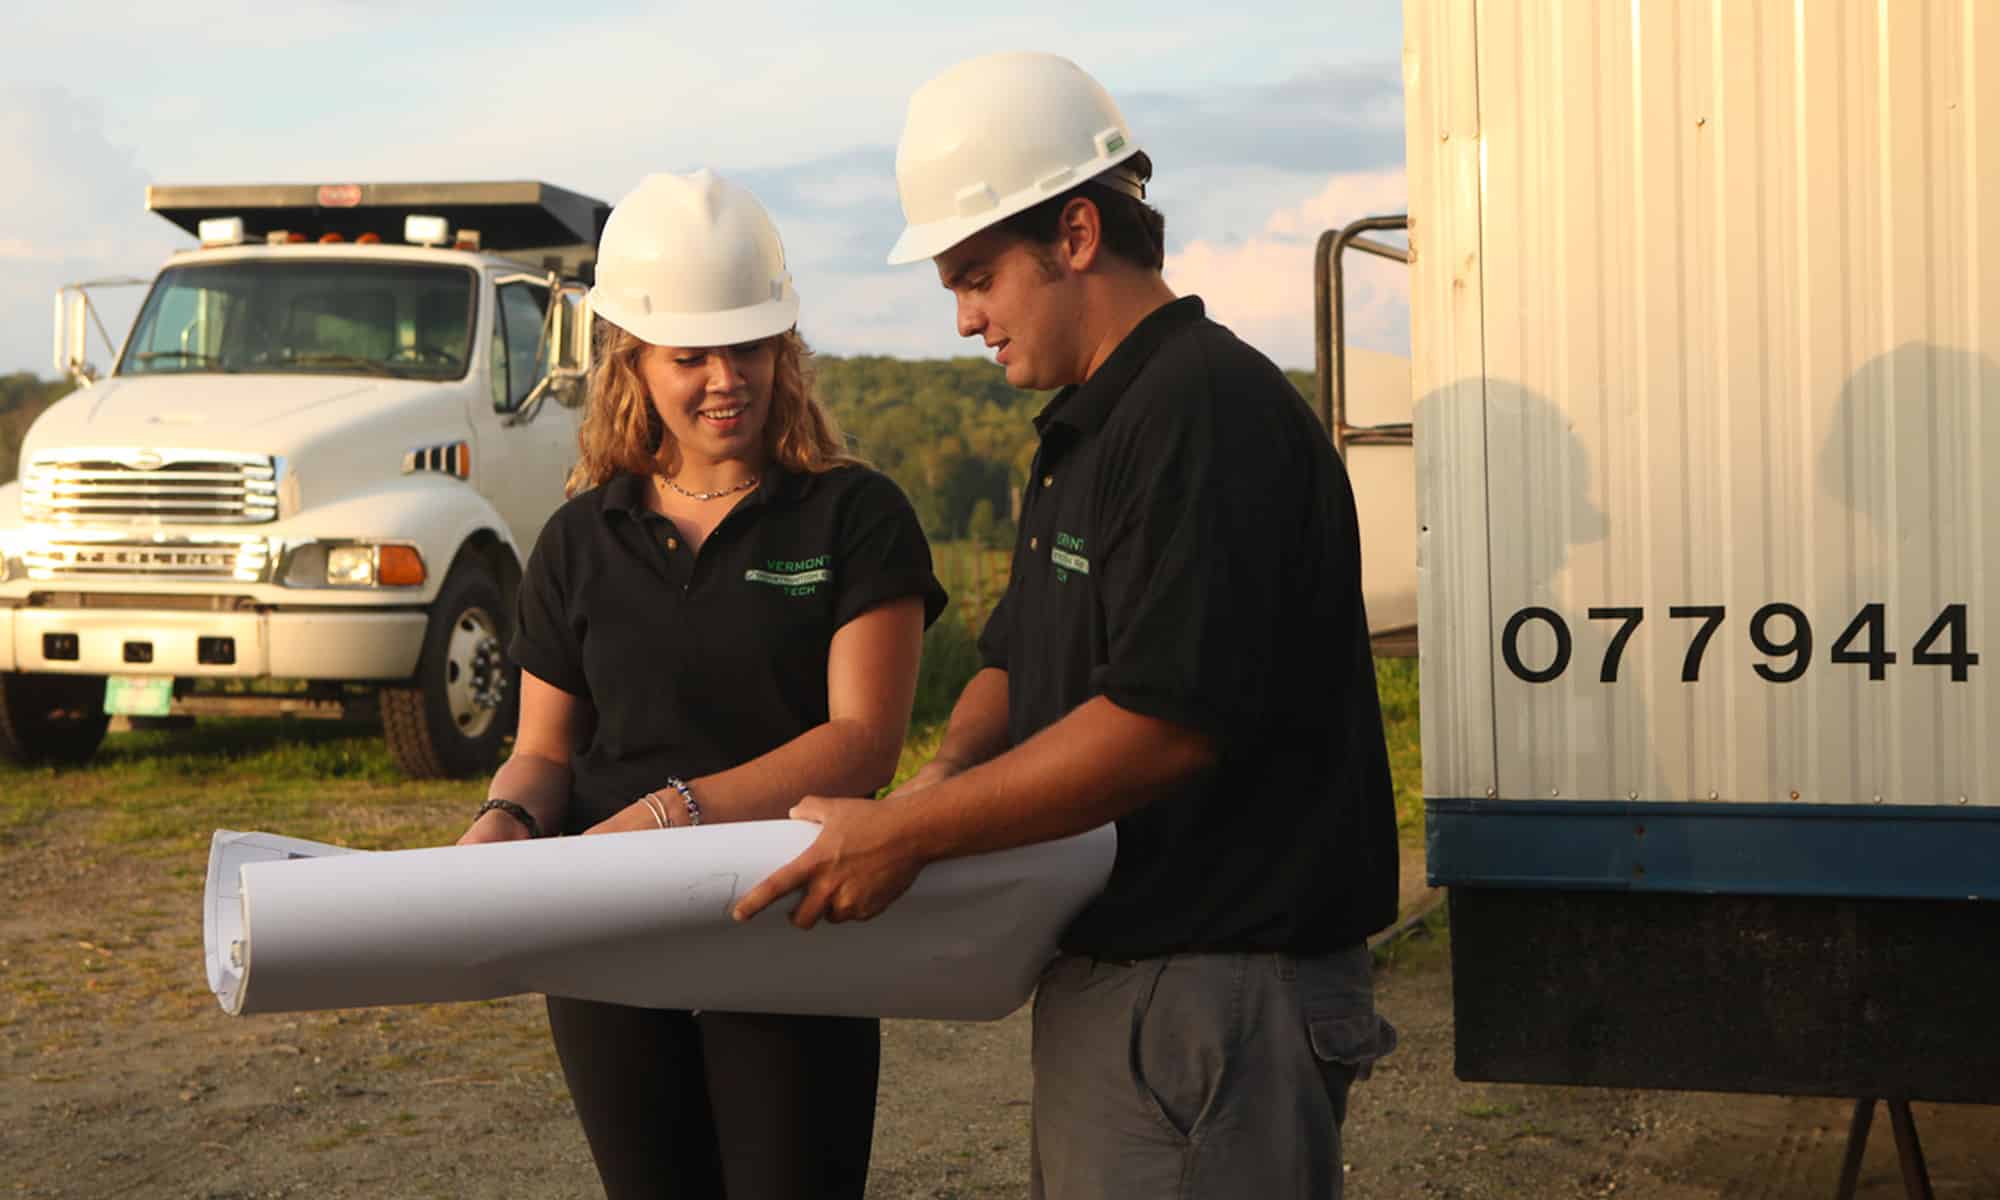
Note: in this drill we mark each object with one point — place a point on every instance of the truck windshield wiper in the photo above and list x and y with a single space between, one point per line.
372 365
194 356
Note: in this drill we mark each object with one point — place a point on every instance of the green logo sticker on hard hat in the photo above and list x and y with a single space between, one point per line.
797 576
1114 143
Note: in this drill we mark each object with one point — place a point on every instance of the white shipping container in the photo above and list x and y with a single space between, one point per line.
1707 316
1706 357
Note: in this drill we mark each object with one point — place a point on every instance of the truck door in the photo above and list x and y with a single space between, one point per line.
522 463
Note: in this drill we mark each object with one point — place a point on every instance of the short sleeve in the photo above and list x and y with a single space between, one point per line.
997 638
883 553
1191 575
546 642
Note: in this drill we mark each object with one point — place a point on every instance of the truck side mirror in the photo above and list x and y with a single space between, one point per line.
74 316
563 347
69 336
570 357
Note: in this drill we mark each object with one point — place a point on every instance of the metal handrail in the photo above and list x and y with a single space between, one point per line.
1330 331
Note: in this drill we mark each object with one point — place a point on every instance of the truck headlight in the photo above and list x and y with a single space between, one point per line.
355 565
350 566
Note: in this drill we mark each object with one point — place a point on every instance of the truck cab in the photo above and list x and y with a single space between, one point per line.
310 478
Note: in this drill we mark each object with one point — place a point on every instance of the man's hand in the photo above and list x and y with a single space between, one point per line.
935 771
857 866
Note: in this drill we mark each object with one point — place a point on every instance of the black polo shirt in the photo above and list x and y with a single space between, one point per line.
1188 549
695 663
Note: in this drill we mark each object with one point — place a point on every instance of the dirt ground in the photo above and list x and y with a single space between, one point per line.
120 1077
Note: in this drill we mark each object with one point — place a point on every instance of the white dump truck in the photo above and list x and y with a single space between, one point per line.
309 479
1706 312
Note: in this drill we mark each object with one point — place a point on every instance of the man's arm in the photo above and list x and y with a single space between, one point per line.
1093 766
976 732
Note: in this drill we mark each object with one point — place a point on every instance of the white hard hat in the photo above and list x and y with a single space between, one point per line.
997 134
693 260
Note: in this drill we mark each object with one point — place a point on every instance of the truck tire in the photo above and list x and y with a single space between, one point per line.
51 718
465 697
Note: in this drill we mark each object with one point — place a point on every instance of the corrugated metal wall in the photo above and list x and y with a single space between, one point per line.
1707 313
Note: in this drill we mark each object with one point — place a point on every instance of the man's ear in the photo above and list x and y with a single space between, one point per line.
1080 234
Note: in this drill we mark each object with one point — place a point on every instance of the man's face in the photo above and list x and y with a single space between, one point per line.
1021 301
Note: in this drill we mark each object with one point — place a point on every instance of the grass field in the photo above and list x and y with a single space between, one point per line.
160 793
125 1079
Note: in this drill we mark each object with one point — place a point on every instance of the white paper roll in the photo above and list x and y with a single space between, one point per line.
630 918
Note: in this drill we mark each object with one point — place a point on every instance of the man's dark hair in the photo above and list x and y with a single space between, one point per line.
1133 229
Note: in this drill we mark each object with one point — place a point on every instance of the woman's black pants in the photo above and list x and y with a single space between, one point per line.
714 1104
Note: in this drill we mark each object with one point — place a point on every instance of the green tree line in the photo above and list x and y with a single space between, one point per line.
952 432
22 399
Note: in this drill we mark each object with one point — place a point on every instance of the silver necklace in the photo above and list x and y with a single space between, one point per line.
745 486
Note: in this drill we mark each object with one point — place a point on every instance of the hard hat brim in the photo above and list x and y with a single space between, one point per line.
729 327
932 238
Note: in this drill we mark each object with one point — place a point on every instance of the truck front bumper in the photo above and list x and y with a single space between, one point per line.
351 644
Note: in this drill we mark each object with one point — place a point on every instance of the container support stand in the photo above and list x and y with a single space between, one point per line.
1909 1152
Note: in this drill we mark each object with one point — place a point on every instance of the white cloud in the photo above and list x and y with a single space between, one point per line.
1262 286
80 216
1244 121
898 310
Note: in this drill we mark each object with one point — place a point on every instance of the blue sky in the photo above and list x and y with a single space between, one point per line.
1267 126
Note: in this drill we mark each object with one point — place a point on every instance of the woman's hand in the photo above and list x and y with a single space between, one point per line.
494 826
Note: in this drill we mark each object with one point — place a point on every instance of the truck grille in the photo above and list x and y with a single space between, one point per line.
245 561
196 487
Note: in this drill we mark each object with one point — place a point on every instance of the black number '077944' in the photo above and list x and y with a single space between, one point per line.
1781 632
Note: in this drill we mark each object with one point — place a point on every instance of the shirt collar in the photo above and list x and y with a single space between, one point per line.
626 491
1086 406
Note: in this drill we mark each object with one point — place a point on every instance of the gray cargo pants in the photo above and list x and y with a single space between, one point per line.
1199 1075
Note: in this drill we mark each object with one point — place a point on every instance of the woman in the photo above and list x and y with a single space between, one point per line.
724 617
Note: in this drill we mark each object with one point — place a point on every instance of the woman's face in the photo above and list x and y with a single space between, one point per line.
714 400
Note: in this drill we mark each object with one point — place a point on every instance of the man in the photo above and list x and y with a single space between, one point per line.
1181 649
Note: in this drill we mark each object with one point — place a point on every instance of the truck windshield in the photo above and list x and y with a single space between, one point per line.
268 315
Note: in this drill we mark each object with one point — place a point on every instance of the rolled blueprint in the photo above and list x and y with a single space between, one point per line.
631 918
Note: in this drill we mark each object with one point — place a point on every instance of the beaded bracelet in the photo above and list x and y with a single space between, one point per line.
687 798
513 810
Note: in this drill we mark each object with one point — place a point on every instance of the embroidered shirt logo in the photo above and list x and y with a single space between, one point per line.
1067 554
797 576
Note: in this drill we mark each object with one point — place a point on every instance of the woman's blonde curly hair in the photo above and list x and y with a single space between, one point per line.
622 432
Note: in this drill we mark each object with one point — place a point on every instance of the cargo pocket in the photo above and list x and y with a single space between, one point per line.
1352 1042
1337 998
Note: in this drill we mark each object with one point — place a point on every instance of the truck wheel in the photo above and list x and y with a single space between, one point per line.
465 699
51 718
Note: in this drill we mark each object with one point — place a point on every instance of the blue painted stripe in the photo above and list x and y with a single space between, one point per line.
1937 853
